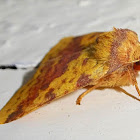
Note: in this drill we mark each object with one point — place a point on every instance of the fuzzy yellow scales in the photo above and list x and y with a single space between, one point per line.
99 59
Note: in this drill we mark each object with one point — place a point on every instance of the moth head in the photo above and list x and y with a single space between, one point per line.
129 53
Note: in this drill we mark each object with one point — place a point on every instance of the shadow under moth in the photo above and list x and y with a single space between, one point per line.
98 59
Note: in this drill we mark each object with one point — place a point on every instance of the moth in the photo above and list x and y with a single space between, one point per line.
98 59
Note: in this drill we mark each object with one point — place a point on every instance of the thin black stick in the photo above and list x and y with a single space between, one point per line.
8 67
15 67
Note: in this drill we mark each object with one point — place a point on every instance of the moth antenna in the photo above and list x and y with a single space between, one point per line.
86 92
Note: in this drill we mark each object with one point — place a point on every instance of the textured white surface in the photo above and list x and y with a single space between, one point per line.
28 29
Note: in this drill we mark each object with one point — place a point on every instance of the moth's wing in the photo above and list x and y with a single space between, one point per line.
71 45
68 66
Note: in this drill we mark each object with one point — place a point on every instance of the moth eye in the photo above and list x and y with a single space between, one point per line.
136 65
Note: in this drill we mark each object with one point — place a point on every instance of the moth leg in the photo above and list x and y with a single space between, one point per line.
137 88
134 80
85 93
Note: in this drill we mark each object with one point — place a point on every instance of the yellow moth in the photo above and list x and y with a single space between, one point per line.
98 59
